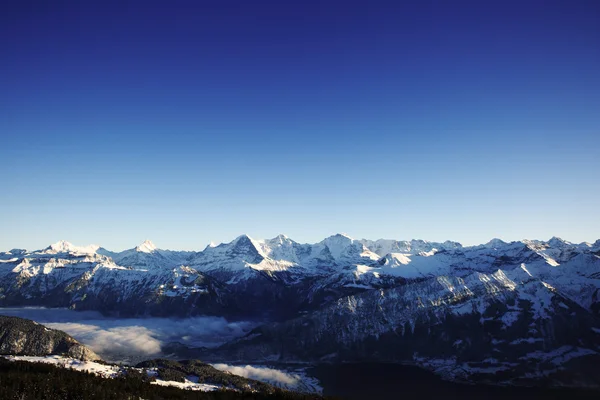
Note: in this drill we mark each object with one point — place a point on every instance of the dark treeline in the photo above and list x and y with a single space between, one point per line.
171 370
25 380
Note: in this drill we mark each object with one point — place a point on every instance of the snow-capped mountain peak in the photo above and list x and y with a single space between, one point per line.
281 248
495 243
63 246
242 238
337 244
245 241
449 244
279 238
146 247
343 247
557 242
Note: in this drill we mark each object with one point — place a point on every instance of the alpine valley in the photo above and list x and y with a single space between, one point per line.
518 313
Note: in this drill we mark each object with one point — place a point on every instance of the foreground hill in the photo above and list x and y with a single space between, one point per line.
20 336
27 380
30 348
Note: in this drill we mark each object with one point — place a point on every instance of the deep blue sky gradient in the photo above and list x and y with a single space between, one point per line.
191 121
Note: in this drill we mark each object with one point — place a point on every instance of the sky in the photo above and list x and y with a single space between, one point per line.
186 122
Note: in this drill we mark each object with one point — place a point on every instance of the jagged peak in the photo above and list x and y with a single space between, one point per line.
453 244
240 241
337 240
17 251
279 239
556 240
210 245
338 237
495 242
146 247
245 240
62 246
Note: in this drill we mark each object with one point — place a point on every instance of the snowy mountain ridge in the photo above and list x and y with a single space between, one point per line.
333 267
336 243
343 298
244 257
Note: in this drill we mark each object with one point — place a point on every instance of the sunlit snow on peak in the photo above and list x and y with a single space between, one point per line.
495 243
63 246
146 247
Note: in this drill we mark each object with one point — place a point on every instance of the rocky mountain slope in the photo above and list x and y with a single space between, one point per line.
507 325
20 336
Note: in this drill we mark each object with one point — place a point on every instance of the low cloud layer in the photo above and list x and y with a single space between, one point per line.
269 375
131 339
293 378
124 341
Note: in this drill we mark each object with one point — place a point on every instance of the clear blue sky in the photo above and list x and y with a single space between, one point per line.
185 122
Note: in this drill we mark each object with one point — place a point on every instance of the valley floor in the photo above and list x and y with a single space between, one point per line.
395 381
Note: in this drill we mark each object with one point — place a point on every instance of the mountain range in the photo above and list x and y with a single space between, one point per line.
501 312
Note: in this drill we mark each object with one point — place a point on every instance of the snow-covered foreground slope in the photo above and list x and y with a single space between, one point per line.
296 380
100 369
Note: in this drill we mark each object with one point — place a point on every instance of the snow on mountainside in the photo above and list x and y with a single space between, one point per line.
146 247
510 308
281 254
344 249
128 283
463 328
66 247
282 248
148 255
239 254
385 246
246 258
301 276
412 266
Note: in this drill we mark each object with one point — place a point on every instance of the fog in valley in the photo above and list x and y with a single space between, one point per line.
131 340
